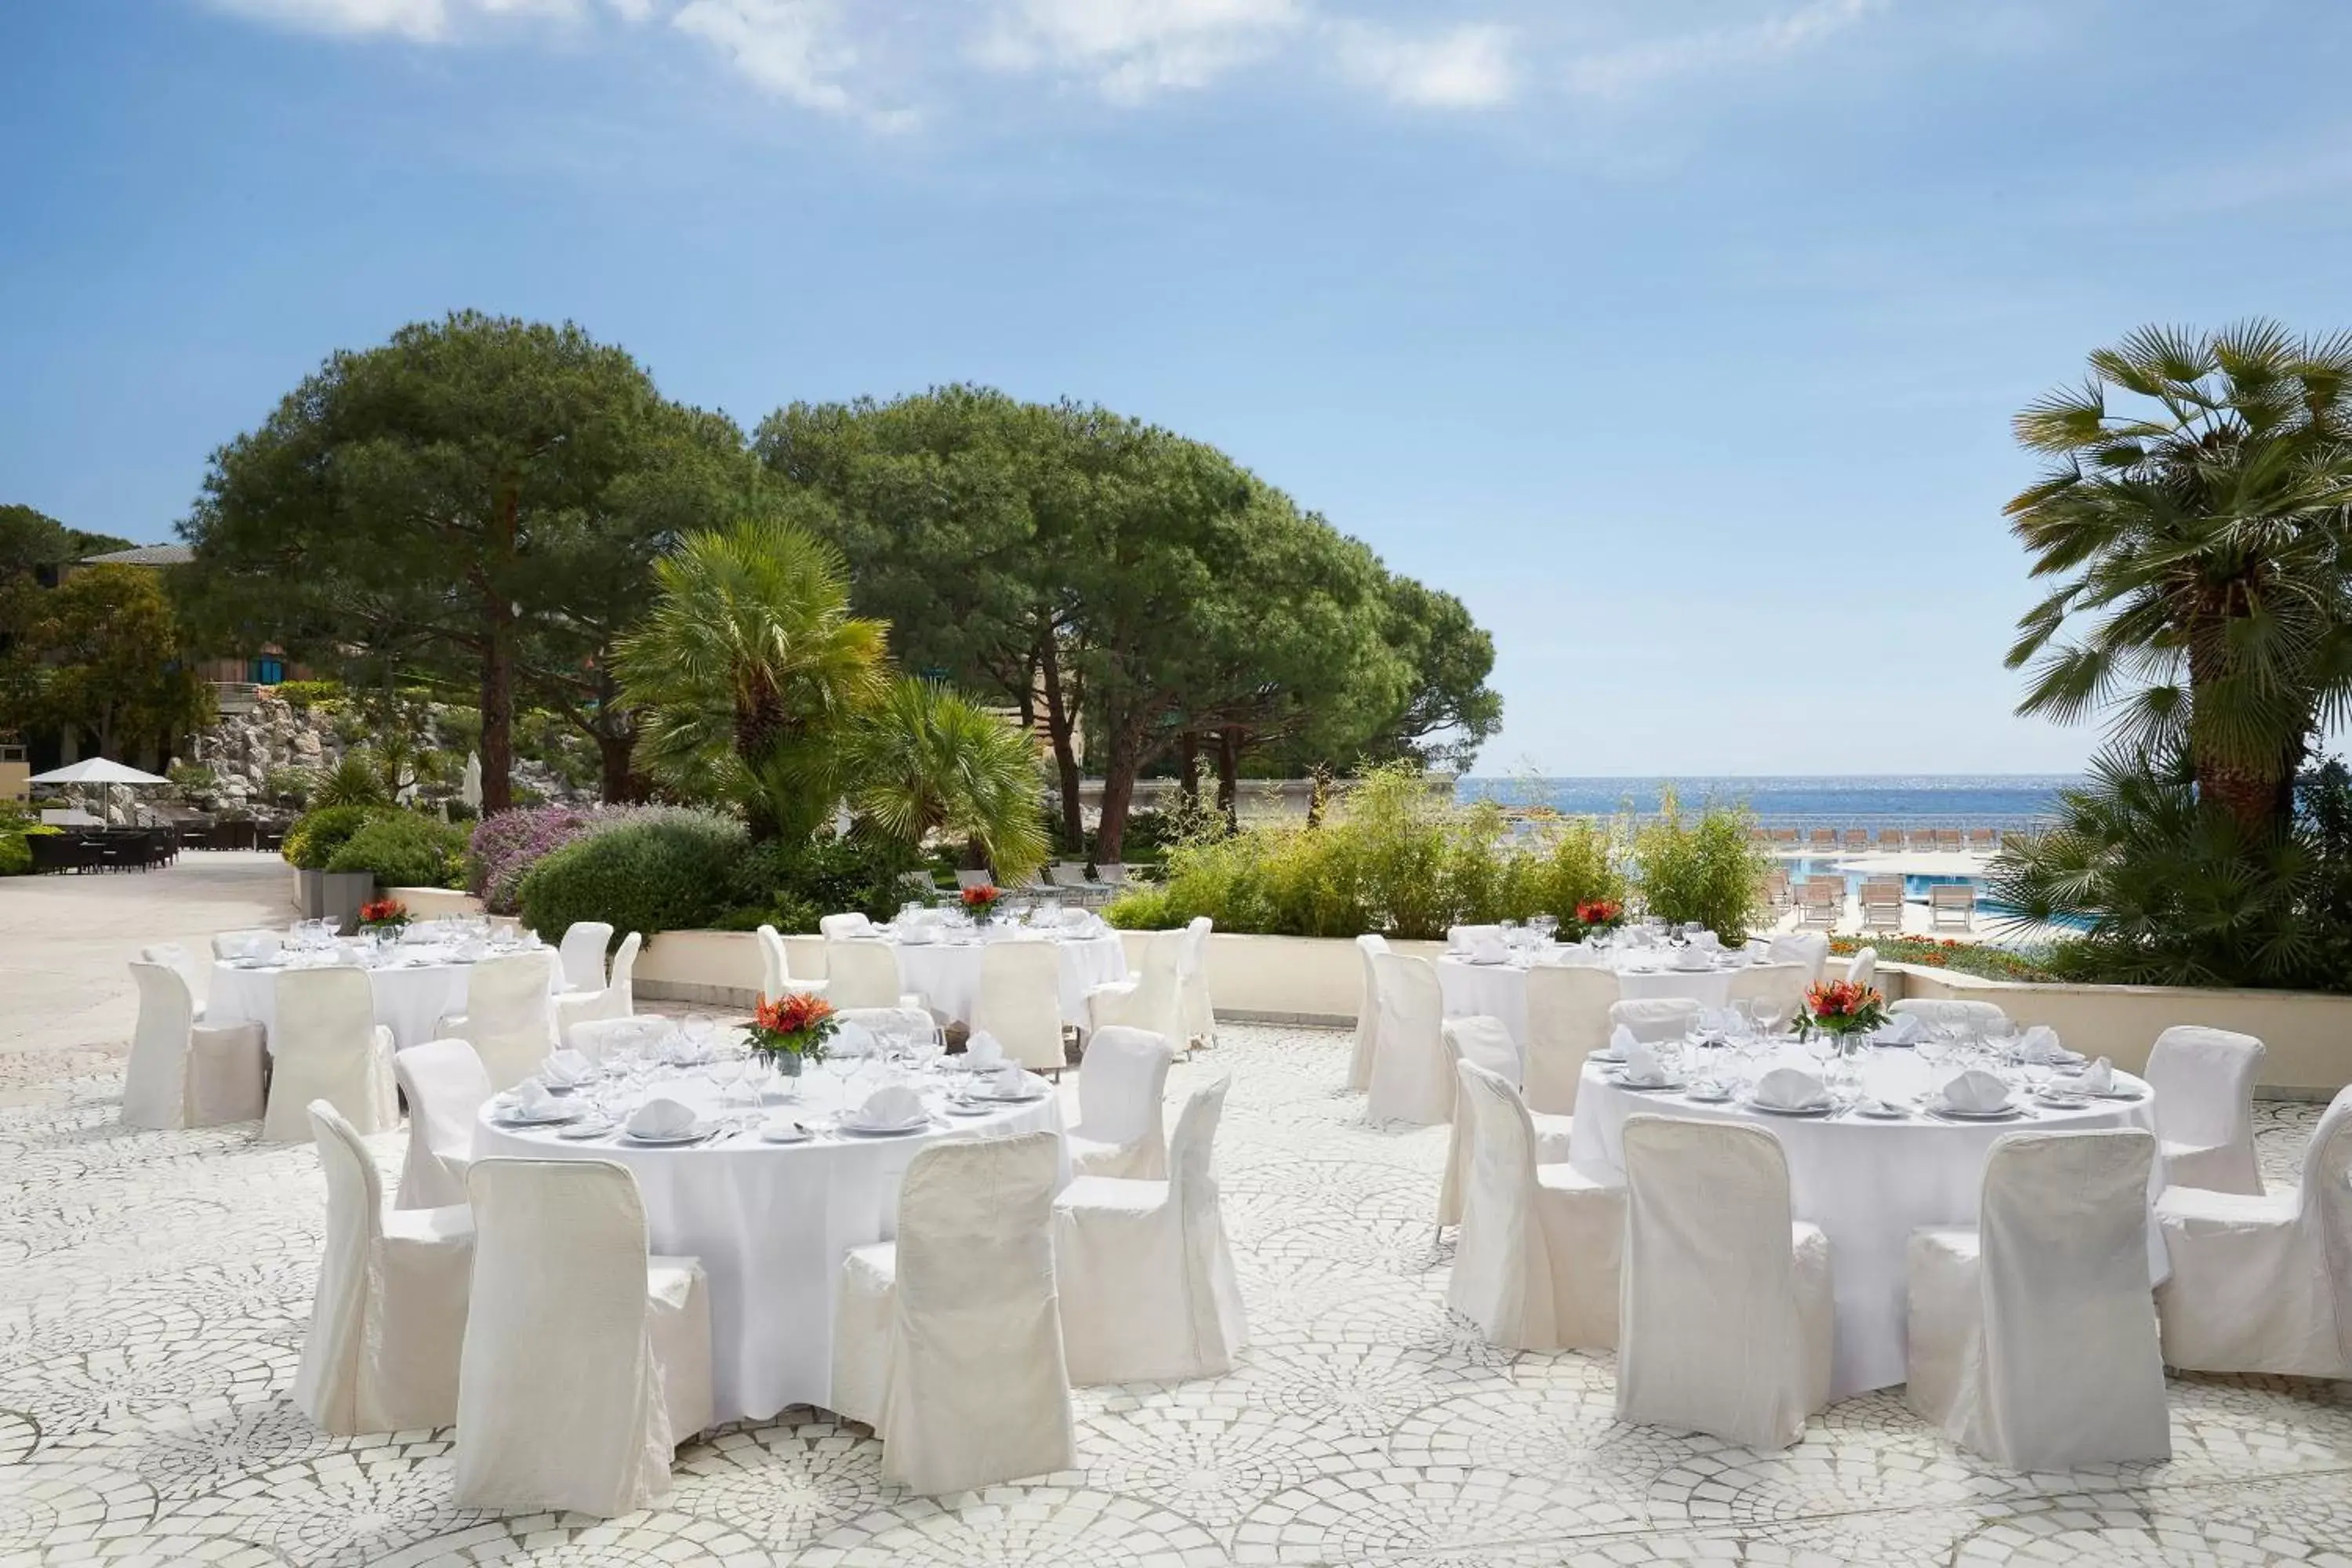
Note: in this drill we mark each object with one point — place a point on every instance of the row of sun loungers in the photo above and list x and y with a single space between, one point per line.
1820 902
1890 840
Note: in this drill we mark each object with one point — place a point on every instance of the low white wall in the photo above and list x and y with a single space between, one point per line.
434 903
722 967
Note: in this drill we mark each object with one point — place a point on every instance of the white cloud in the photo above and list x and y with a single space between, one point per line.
1462 68
793 48
1622 71
1133 49
425 21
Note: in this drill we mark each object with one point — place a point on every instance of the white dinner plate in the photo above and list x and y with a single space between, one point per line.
584 1129
2119 1092
1796 1110
556 1116
695 1133
1882 1113
1671 1086
855 1130
2009 1112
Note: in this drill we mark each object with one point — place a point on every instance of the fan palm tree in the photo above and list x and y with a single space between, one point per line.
752 672
2202 535
926 759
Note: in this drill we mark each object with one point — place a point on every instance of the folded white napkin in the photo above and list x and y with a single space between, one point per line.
347 958
530 1101
1707 941
1694 958
1010 1081
567 1068
913 932
891 1106
1790 1089
1976 1090
1643 1068
1575 955
1621 1042
982 1052
1903 1029
2037 1044
1077 919
1465 939
852 1039
1489 948
2099 1078
662 1118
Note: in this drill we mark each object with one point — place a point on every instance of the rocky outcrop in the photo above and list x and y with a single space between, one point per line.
246 746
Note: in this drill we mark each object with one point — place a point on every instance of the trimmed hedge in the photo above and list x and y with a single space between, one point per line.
316 836
652 876
404 849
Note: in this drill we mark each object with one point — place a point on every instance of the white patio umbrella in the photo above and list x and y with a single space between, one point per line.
96 770
469 789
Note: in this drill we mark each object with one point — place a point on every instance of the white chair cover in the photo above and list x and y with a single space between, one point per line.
2264 1284
178 958
863 974
1487 1042
326 1045
1121 1080
1200 1007
1021 1001
444 1085
1809 948
596 1038
1950 1014
1779 987
775 969
2203 1081
1409 1077
1368 1015
509 1016
1536 1265
586 1362
582 950
1655 1019
1149 1292
389 1314
1567 1020
1725 1318
948 1342
618 999
183 1073
2032 1338
837 928
1152 1000
1862 968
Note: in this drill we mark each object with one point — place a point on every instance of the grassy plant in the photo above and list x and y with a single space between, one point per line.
1703 868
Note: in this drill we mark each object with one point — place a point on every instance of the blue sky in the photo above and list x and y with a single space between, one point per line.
1679 338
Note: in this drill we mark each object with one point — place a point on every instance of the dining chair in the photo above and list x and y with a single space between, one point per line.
947 1342
2203 1081
1862 968
1122 1078
388 1315
776 976
1367 1014
586 1360
1485 1043
180 960
1151 999
1408 1078
1951 1013
1809 948
2032 1338
1536 1261
510 1016
1726 1313
862 973
1567 1020
1655 1019
1146 1276
445 1086
1192 977
841 927
618 999
182 1072
326 1045
583 952
1020 1003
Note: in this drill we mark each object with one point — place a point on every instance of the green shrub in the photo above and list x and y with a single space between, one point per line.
796 884
1706 870
291 786
315 837
404 849
672 874
354 781
193 780
308 693
15 855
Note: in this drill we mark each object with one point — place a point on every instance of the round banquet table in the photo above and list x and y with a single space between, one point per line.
411 998
770 1222
946 973
1867 1183
1500 990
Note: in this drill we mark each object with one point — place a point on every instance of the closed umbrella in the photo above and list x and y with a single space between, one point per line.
470 789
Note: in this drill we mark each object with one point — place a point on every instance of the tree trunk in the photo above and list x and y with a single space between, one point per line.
1187 751
1061 727
615 753
498 661
1229 777
1122 759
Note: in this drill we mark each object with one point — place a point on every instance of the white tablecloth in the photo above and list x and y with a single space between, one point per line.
1868 1184
1500 990
946 974
410 999
770 1223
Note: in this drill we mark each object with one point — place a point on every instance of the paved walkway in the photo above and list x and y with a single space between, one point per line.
154 1289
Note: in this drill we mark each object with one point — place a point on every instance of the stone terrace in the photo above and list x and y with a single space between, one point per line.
153 1289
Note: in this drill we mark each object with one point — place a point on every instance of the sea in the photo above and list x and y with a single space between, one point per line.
1871 802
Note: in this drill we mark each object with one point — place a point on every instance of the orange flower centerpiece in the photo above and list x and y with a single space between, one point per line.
382 914
979 902
791 1030
1594 916
1841 1008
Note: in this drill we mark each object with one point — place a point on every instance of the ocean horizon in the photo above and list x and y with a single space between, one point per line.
1845 800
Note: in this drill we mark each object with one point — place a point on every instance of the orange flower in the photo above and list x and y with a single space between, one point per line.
794 1014
981 898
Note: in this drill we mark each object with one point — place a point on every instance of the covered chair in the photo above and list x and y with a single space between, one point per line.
510 1016
1368 1015
446 1087
1725 1318
582 950
1121 1080
1149 1293
861 973
2032 1337
2204 1084
1152 998
1408 1080
183 1073
618 999
1809 948
598 1038
1777 989
1862 968
906 1022
1487 1043
1192 977
172 955
1536 1267
948 1342
1567 1020
1020 1003
1950 1014
776 976
326 1045
388 1317
2264 1284
841 927
586 1362
1655 1020
250 943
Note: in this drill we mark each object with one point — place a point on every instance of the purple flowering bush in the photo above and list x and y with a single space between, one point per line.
511 843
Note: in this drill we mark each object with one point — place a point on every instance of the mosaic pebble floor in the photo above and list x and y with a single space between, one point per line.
153 1289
